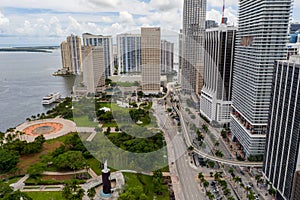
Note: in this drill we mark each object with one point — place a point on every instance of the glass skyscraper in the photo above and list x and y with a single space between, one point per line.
194 12
282 157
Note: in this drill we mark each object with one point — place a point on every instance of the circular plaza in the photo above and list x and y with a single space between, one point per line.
50 128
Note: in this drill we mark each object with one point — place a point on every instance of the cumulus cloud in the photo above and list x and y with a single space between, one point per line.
106 17
126 17
3 20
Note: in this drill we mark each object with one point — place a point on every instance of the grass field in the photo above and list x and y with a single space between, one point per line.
95 165
83 121
132 180
45 195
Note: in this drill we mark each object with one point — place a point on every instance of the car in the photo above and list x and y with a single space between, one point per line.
242 173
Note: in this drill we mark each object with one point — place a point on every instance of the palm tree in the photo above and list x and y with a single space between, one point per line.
200 175
91 193
217 176
80 193
217 143
205 184
230 170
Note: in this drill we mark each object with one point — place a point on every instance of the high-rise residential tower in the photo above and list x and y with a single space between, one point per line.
151 59
93 68
167 56
215 100
71 55
65 56
129 53
282 152
261 39
194 12
107 43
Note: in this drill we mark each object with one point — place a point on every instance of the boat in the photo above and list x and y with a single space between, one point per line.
51 98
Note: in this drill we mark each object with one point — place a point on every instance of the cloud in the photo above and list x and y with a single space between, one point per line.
216 15
126 17
166 5
3 20
219 3
57 18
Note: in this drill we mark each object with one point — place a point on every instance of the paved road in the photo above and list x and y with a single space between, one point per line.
205 155
187 176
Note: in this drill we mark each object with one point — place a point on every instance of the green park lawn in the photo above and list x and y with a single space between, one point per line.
45 195
83 121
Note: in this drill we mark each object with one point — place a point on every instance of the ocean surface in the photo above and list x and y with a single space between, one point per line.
25 78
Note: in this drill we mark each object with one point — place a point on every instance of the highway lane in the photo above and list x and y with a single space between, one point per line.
188 189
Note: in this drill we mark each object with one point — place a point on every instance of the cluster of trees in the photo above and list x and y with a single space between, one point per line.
71 155
255 158
137 145
72 191
8 160
205 128
11 151
6 193
106 117
23 147
140 114
158 182
219 153
64 109
133 193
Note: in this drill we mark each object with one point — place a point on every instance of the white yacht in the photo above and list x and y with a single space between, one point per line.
51 98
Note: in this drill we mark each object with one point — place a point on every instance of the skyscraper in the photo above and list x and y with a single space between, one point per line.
129 53
282 157
194 12
151 59
261 39
71 55
167 56
215 100
107 44
180 55
93 68
65 56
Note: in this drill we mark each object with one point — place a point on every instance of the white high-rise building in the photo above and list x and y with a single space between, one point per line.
193 32
129 53
93 68
71 55
261 39
107 43
215 100
151 60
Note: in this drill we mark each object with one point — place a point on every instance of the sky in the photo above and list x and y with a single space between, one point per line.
49 22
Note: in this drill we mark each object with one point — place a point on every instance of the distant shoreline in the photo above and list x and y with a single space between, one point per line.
43 49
